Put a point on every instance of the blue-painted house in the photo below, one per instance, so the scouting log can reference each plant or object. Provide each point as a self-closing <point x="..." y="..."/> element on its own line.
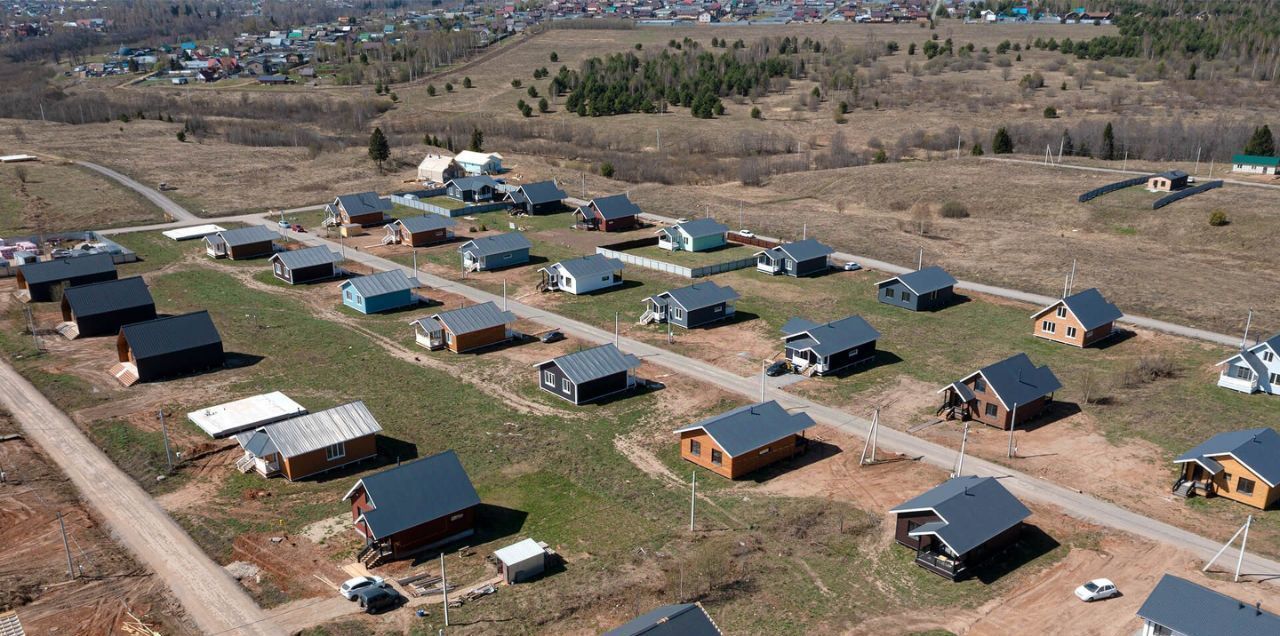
<point x="380" y="292"/>
<point x="495" y="252"/>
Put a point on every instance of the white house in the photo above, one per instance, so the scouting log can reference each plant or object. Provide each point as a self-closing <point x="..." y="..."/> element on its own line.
<point x="1253" y="164"/>
<point x="989" y="16"/>
<point x="582" y="275"/>
<point x="438" y="168"/>
<point x="1253" y="369"/>
<point x="479" y="162"/>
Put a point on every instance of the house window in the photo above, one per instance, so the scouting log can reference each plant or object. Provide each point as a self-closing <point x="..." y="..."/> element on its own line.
<point x="1244" y="486"/>
<point x="604" y="279"/>
<point x="764" y="451"/>
<point x="507" y="256"/>
<point x="979" y="385"/>
<point x="906" y="296"/>
<point x="1071" y="332"/>
<point x="718" y="309"/>
<point x="1226" y="482"/>
<point x="549" y="378"/>
<point x="457" y="517"/>
<point x="1242" y="373"/>
<point x="1275" y="379"/>
<point x="1048" y="327"/>
<point x="337" y="451"/>
<point x="678" y="313"/>
<point x="1062" y="311"/>
<point x="348" y="294"/>
<point x="888" y="292"/>
<point x="1160" y="630"/>
<point x="566" y="385"/>
<point x="695" y="447"/>
<point x="1268" y="356"/>
<point x="992" y="410"/>
<point x="717" y="457"/>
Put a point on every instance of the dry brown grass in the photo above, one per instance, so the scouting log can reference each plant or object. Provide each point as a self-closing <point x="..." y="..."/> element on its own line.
<point x="48" y="196"/>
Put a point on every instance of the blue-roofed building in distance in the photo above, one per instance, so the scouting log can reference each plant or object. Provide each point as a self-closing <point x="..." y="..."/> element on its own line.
<point x="582" y="275"/>
<point x="801" y="258"/>
<point x="1007" y="393"/>
<point x="412" y="507"/>
<point x="958" y="524"/>
<point x="812" y="348"/>
<point x="698" y="304"/>
<point x="495" y="252"/>
<point x="588" y="375"/>
<point x="1081" y="319"/>
<point x="698" y="235"/>
<point x="687" y="619"/>
<point x="927" y="289"/>
<point x="744" y="440"/>
<point x="1178" y="607"/>
<point x="379" y="292"/>
<point x="1243" y="466"/>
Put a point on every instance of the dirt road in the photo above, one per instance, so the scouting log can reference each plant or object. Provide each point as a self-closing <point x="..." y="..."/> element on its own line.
<point x="175" y="211"/>
<point x="214" y="601"/>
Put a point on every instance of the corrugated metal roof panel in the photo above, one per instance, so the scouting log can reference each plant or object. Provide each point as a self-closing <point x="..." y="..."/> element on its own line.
<point x="699" y="295"/>
<point x="363" y="203"/>
<point x="591" y="265"/>
<point x="803" y="250"/>
<point x="1195" y="610"/>
<point x="171" y="334"/>
<point x="925" y="280"/>
<point x="747" y="428"/>
<point x="308" y="257"/>
<point x="615" y="207"/>
<point x="314" y="431"/>
<point x="66" y="268"/>
<point x="1257" y="448"/>
<point x="669" y="620"/>
<point x="594" y="363"/>
<point x="702" y="227"/>
<point x="416" y="492"/>
<point x="387" y="282"/>
<point x="496" y="244"/>
<point x="835" y="336"/>
<point x="973" y="510"/>
<point x="425" y="223"/>
<point x="247" y="235"/>
<point x="113" y="295"/>
<point x="472" y="318"/>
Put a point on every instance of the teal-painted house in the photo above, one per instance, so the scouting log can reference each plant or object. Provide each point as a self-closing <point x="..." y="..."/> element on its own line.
<point x="698" y="235"/>
<point x="380" y="292"/>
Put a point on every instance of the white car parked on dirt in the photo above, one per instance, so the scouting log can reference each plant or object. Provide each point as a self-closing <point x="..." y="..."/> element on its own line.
<point x="351" y="587"/>
<point x="1097" y="590"/>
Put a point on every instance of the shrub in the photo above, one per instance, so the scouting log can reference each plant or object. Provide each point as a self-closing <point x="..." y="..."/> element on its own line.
<point x="1050" y="112"/>
<point x="954" y="210"/>
<point x="606" y="170"/>
<point x="755" y="112"/>
<point x="431" y="90"/>
<point x="466" y="82"/>
<point x="183" y="137"/>
<point x="1148" y="369"/>
<point x="555" y="57"/>
<point x="880" y="157"/>
<point x="448" y="87"/>
<point x="1218" y="218"/>
<point x="515" y="83"/>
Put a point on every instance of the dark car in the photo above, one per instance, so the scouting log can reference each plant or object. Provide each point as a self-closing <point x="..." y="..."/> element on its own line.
<point x="776" y="369"/>
<point x="551" y="336"/>
<point x="376" y="599"/>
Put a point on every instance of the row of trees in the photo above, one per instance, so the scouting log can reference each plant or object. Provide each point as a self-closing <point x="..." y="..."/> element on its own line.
<point x="1136" y="139"/>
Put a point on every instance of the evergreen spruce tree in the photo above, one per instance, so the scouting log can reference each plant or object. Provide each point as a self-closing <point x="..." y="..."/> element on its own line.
<point x="1002" y="143"/>
<point x="1261" y="144"/>
<point x="379" y="148"/>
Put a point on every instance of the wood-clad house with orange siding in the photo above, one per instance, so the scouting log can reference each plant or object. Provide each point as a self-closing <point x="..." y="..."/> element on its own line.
<point x="310" y="444"/>
<point x="745" y="439"/>
<point x="1008" y="393"/>
<point x="1242" y="466"/>
<point x="1080" y="319"/>
<point x="465" y="329"/>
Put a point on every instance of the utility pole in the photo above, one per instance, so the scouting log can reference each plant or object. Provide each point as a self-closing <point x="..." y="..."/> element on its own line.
<point x="1240" y="559"/>
<point x="960" y="458"/>
<point x="920" y="260"/>
<point x="1013" y="423"/>
<point x="742" y="219"/>
<point x="1125" y="166"/>
<point x="1061" y="144"/>
<point x="71" y="570"/>
<point x="504" y="294"/>
<point x="1197" y="168"/>
<point x="693" y="494"/>
<point x="957" y="146"/>
<point x="659" y="131"/>
<point x="869" y="449"/>
<point x="669" y="335"/>
<point x="1072" y="281"/>
<point x="444" y="590"/>
<point x="164" y="430"/>
<point x="415" y="261"/>
<point x="584" y="185"/>
<point x="1244" y="541"/>
<point x="615" y="329"/>
<point x="804" y="231"/>
<point x="1248" y="322"/>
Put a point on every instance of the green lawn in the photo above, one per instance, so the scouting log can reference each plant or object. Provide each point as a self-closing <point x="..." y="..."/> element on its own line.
<point x="730" y="252"/>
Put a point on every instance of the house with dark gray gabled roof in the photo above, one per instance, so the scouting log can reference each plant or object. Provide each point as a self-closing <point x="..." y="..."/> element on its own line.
<point x="588" y="375"/>
<point x="582" y="275"/>
<point x="379" y="292"/>
<point x="698" y="235"/>
<point x="101" y="309"/>
<point x="310" y="444"/>
<point x="819" y="349"/>
<point x="44" y="281"/>
<point x="801" y="258"/>
<point x="420" y="231"/>
<point x="745" y="439"/>
<point x="465" y="329"/>
<point x="959" y="524"/>
<point x="926" y="289"/>
<point x="241" y="243"/>
<point x="615" y="213"/>
<point x="305" y="265"/>
<point x="687" y="619"/>
<point x="473" y="189"/>
<point x="542" y="197"/>
<point x="1243" y="466"/>
<point x="364" y="208"/>
<point x="412" y="507"/>
<point x="1007" y="393"/>
<point x="1167" y="181"/>
<point x="495" y="252"/>
<point x="1178" y="607"/>
<point x="1080" y="319"/>
<point x="1255" y="368"/>
<point x="167" y="347"/>
<point x="698" y="304"/>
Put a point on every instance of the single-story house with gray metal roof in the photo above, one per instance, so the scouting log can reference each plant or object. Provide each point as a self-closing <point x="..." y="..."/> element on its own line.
<point x="588" y="375"/>
<point x="615" y="213"/>
<point x="414" y="506"/>
<point x="698" y="235"/>
<point x="310" y="444"/>
<point x="801" y="258"/>
<point x="472" y="189"/>
<point x="495" y="252"/>
<point x="927" y="289"/>
<point x="687" y="619"/>
<point x="1167" y="181"/>
<point x="363" y="208"/>
<point x="101" y="309"/>
<point x="812" y="348"/>
<point x="1080" y="319"/>
<point x="167" y="347"/>
<point x="241" y="243"/>
<point x="542" y="197"/>
<point x="745" y="439"/>
<point x="44" y="281"/>
<point x="465" y="329"/>
<point x="1254" y="368"/>
<point x="958" y="524"/>
<point x="1179" y="607"/>
<point x="582" y="275"/>
<point x="420" y="231"/>
<point x="698" y="304"/>
<point x="1243" y="466"/>
<point x="1004" y="394"/>
<point x="305" y="265"/>
<point x="379" y="292"/>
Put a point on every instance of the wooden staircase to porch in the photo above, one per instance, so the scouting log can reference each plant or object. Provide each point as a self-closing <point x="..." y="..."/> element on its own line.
<point x="69" y="330"/>
<point x="23" y="295"/>
<point x="126" y="373"/>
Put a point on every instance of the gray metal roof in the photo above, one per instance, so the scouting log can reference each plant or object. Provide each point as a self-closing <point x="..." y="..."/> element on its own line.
<point x="833" y="337"/>
<point x="540" y="192"/>
<point x="496" y="244"/>
<point x="171" y="334"/>
<point x="591" y="265"/>
<point x="801" y="250"/>
<point x="614" y="207"/>
<point x="594" y="363"/>
<point x="1016" y="380"/>
<point x="363" y="203"/>
<point x="425" y="223"/>
<point x="469" y="319"/>
<point x="923" y="281"/>
<point x="65" y="268"/>
<point x="307" y="257"/>
<point x="747" y="428"/>
<point x="1257" y="448"/>
<point x="108" y="296"/>
<point x="1195" y="610"/>
<point x="314" y="431"/>
<point x="387" y="282"/>
<point x="688" y="619"/>
<point x="1089" y="307"/>
<point x="474" y="182"/>
<point x="973" y="511"/>
<point x="416" y="492"/>
<point x="247" y="235"/>
<point x="1172" y="174"/>
<point x="701" y="227"/>
<point x="699" y="295"/>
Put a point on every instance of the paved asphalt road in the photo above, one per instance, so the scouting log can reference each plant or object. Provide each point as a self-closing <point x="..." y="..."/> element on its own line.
<point x="1080" y="505"/>
<point x="216" y="603"/>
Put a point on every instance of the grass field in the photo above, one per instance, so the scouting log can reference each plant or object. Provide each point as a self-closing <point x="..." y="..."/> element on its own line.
<point x="730" y="252"/>
<point x="42" y="196"/>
